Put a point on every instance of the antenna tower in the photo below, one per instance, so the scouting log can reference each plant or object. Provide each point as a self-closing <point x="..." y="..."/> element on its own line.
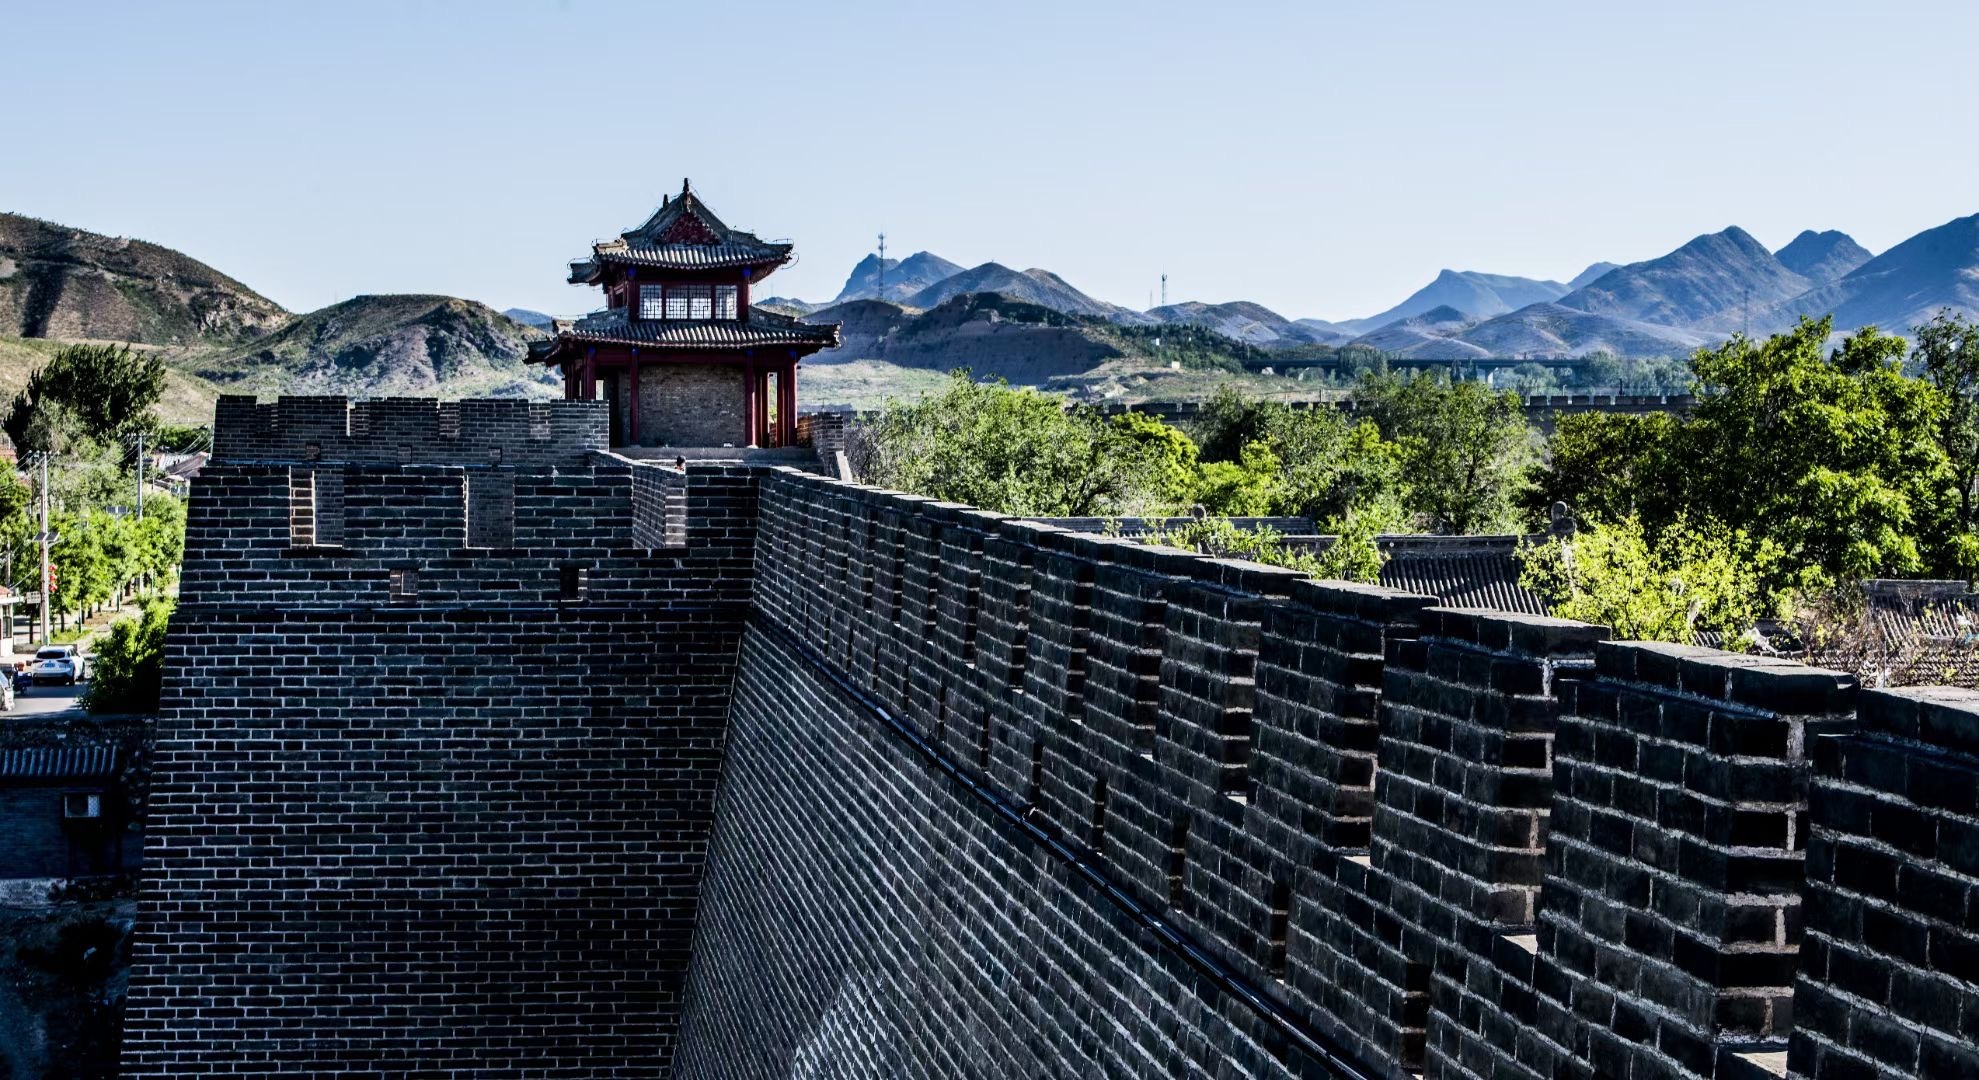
<point x="1164" y="290"/>
<point x="882" y="295"/>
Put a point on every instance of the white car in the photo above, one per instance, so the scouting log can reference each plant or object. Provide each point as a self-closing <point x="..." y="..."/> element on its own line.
<point x="58" y="664"/>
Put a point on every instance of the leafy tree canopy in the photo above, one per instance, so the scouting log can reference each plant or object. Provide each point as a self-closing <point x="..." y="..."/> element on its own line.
<point x="1669" y="586"/>
<point x="127" y="668"/>
<point x="92" y="392"/>
<point x="1019" y="451"/>
<point x="1837" y="459"/>
<point x="1463" y="448"/>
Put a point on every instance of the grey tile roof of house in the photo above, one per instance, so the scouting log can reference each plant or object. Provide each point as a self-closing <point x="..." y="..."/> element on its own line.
<point x="58" y="763"/>
<point x="1461" y="571"/>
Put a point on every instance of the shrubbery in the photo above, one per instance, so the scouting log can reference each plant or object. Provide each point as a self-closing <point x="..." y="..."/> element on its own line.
<point x="126" y="667"/>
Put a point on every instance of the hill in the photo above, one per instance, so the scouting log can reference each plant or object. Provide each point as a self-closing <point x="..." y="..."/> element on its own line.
<point x="1593" y="271"/>
<point x="1040" y="287"/>
<point x="527" y="317"/>
<point x="1253" y="324"/>
<point x="788" y="305"/>
<point x="1544" y="331"/>
<point x="1901" y="288"/>
<point x="1432" y="335"/>
<point x="63" y="283"/>
<point x="1478" y="295"/>
<point x="904" y="277"/>
<point x="997" y="336"/>
<point x="188" y="399"/>
<point x="1822" y="257"/>
<point x="385" y="345"/>
<point x="1713" y="276"/>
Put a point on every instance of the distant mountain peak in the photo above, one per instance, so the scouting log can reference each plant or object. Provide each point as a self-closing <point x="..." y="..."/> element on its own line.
<point x="1900" y="289"/>
<point x="904" y="277"/>
<point x="1477" y="294"/>
<point x="1822" y="257"/>
<point x="1707" y="278"/>
<point x="527" y="317"/>
<point x="1593" y="273"/>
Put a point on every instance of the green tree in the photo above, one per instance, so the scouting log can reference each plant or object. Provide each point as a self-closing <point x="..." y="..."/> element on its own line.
<point x="129" y="662"/>
<point x="1947" y="356"/>
<point x="1837" y="459"/>
<point x="1265" y="457"/>
<point x="1463" y="448"/>
<point x="1833" y="458"/>
<point x="1247" y="487"/>
<point x="1668" y="586"/>
<point x="1349" y="558"/>
<point x="1019" y="451"/>
<point x="88" y="392"/>
<point x="1608" y="466"/>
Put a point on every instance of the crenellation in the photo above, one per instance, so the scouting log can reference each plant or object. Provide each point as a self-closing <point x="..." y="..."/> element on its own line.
<point x="869" y="784"/>
<point x="407" y="430"/>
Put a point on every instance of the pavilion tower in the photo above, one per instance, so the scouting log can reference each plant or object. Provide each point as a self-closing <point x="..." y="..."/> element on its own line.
<point x="677" y="350"/>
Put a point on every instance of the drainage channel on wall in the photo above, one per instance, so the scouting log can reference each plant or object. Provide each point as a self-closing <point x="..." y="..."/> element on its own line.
<point x="1295" y="1031"/>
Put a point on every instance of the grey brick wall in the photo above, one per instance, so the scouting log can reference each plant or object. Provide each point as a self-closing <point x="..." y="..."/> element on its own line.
<point x="456" y="831"/>
<point x="1889" y="983"/>
<point x="1317" y="828"/>
<point x="690" y="405"/>
<point x="995" y="798"/>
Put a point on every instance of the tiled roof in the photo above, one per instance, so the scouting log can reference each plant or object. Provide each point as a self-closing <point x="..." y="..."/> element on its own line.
<point x="1461" y="571"/>
<point x="58" y="763"/>
<point x="764" y="329"/>
<point x="678" y="256"/>
<point x="683" y="234"/>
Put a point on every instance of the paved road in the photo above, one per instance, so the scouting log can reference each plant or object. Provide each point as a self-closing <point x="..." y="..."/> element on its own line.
<point x="47" y="701"/>
<point x="42" y="702"/>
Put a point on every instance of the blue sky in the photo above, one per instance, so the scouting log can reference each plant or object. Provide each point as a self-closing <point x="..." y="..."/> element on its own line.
<point x="1324" y="159"/>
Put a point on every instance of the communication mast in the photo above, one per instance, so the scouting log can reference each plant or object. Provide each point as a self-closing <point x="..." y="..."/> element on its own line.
<point x="1164" y="289"/>
<point x="882" y="295"/>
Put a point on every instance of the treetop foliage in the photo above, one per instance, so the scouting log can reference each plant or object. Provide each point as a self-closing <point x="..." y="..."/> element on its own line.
<point x="1805" y="465"/>
<point x="88" y="392"/>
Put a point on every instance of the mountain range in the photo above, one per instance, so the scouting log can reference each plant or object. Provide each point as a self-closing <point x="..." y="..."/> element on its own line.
<point x="62" y="284"/>
<point x="218" y="335"/>
<point x="1708" y="288"/>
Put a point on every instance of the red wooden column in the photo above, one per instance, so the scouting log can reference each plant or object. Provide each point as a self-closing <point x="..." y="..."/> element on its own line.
<point x="633" y="435"/>
<point x="786" y="384"/>
<point x="768" y="395"/>
<point x="749" y="402"/>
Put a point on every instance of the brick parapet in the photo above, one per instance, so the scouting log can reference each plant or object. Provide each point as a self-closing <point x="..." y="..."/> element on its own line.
<point x="407" y="430"/>
<point x="1889" y="976"/>
<point x="1463" y="842"/>
<point x="1347" y="793"/>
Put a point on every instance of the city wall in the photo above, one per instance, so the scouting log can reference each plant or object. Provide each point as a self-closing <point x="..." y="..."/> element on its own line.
<point x="562" y="764"/>
<point x="442" y="721"/>
<point x="1006" y="800"/>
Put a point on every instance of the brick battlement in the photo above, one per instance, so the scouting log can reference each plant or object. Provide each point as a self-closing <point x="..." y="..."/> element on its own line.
<point x="1395" y="837"/>
<point x="996" y="798"/>
<point x="402" y="430"/>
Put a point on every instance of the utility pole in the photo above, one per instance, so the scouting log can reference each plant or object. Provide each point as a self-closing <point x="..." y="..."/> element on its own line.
<point x="882" y="293"/>
<point x="46" y="598"/>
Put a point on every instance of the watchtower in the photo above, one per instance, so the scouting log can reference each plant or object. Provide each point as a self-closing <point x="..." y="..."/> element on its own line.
<point x="677" y="351"/>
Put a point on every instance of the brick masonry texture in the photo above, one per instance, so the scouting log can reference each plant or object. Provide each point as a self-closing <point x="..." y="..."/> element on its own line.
<point x="996" y="798"/>
<point x="688" y="405"/>
<point x="454" y="831"/>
